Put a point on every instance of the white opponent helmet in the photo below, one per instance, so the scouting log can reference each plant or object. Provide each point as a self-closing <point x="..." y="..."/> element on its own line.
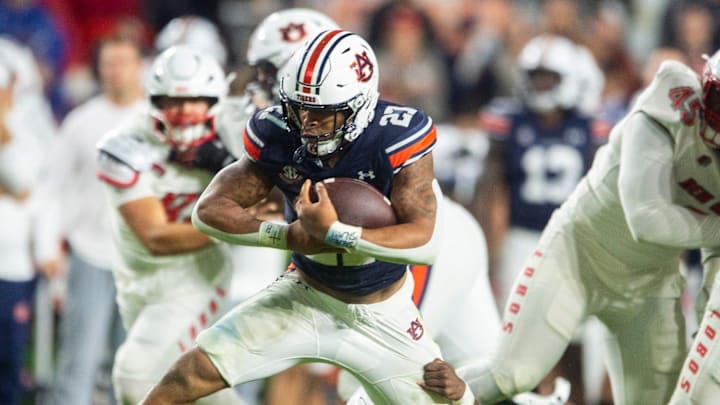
<point x="554" y="54"/>
<point x="282" y="32"/>
<point x="710" y="131"/>
<point x="276" y="38"/>
<point x="196" y="32"/>
<point x="336" y="71"/>
<point x="181" y="71"/>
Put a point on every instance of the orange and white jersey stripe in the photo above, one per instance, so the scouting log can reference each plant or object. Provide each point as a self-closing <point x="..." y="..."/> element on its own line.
<point x="413" y="147"/>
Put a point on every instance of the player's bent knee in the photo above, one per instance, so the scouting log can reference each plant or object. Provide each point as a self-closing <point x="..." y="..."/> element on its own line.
<point x="130" y="391"/>
<point x="130" y="376"/>
<point x="130" y="363"/>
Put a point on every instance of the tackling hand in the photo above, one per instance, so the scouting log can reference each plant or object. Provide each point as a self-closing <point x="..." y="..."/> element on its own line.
<point x="440" y="378"/>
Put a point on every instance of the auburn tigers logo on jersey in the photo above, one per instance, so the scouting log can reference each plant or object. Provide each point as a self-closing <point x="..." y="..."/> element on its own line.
<point x="293" y="32"/>
<point x="416" y="329"/>
<point x="363" y="67"/>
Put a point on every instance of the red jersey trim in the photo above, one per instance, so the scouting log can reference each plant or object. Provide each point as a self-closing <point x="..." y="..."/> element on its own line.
<point x="104" y="177"/>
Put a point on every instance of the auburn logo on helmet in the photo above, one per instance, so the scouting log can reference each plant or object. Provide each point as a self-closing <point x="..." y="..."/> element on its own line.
<point x="363" y="67"/>
<point x="293" y="32"/>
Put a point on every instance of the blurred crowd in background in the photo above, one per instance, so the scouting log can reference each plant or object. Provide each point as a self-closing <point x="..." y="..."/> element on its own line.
<point x="451" y="58"/>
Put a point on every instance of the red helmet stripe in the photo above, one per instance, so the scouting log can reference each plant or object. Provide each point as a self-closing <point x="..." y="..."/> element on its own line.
<point x="315" y="56"/>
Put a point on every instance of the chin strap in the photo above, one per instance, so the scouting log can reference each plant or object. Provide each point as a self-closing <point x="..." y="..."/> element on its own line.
<point x="559" y="396"/>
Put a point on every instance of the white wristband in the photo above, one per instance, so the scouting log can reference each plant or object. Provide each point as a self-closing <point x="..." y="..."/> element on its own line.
<point x="343" y="235"/>
<point x="273" y="234"/>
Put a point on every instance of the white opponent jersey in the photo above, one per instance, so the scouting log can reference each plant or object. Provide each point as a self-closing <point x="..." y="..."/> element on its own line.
<point x="135" y="163"/>
<point x="595" y="211"/>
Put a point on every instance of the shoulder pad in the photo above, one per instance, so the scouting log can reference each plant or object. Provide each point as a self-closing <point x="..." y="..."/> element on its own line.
<point x="115" y="172"/>
<point x="396" y="121"/>
<point x="673" y="94"/>
<point x="403" y="147"/>
<point x="675" y="67"/>
<point x="260" y="130"/>
<point x="130" y="150"/>
<point x="273" y="115"/>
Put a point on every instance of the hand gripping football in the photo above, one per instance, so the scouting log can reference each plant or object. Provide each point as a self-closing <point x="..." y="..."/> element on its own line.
<point x="358" y="203"/>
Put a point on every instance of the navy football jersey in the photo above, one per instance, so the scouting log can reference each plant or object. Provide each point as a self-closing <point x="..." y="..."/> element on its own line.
<point x="397" y="136"/>
<point x="542" y="165"/>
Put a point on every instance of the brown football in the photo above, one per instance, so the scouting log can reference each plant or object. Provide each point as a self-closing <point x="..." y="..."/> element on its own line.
<point x="358" y="203"/>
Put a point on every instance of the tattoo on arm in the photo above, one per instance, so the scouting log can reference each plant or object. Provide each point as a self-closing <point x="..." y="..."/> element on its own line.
<point x="412" y="195"/>
<point x="224" y="203"/>
<point x="243" y="182"/>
